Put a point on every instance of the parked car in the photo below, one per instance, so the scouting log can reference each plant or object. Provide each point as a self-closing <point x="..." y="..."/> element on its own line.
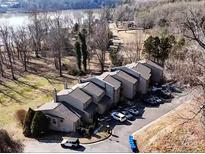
<point x="151" y="101"/>
<point x="134" y="111"/>
<point x="157" y="99"/>
<point x="70" y="143"/>
<point x="127" y="114"/>
<point x="165" y="94"/>
<point x="118" y="116"/>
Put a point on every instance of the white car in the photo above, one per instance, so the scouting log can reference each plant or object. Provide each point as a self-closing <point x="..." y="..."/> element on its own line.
<point x="70" y="143"/>
<point x="127" y="114"/>
<point x="118" y="116"/>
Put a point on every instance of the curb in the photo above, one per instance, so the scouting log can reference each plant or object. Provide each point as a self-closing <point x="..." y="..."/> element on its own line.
<point x="98" y="140"/>
<point x="158" y="119"/>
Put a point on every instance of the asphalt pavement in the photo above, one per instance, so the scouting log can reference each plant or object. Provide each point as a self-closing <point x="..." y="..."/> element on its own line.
<point x="118" y="142"/>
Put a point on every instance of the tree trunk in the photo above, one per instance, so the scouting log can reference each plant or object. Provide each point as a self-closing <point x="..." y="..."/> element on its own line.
<point x="11" y="65"/>
<point x="1" y="69"/>
<point x="25" y="61"/>
<point x="59" y="63"/>
<point x="102" y="67"/>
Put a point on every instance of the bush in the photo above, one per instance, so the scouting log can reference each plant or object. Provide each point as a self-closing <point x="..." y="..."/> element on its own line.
<point x="27" y="123"/>
<point x="7" y="144"/>
<point x="20" y="116"/>
<point x="39" y="124"/>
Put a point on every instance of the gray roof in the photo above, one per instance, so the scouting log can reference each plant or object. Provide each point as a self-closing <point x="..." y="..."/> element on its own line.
<point x="127" y="77"/>
<point x="149" y="62"/>
<point x="113" y="81"/>
<point x="48" y="106"/>
<point x="144" y="71"/>
<point x="77" y="94"/>
<point x="93" y="89"/>
<point x="65" y="111"/>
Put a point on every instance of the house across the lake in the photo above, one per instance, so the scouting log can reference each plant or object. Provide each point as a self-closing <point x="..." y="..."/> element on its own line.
<point x="80" y="104"/>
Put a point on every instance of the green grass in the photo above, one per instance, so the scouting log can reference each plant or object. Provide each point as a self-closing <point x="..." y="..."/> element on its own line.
<point x="29" y="91"/>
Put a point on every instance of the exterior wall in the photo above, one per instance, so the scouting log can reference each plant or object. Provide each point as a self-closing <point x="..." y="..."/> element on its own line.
<point x="62" y="125"/>
<point x="109" y="89"/>
<point x="88" y="117"/>
<point x="143" y="85"/>
<point x="102" y="108"/>
<point x="128" y="89"/>
<point x="156" y="74"/>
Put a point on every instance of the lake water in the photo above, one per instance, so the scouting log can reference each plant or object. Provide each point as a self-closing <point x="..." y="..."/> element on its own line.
<point x="22" y="19"/>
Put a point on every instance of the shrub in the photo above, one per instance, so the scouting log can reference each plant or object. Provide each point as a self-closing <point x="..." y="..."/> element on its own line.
<point x="20" y="116"/>
<point x="7" y="144"/>
<point x="39" y="124"/>
<point x="27" y="122"/>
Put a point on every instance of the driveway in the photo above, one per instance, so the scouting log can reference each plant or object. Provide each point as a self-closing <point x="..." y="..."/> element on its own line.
<point x="119" y="140"/>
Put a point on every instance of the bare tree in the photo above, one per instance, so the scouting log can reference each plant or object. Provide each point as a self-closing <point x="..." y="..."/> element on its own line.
<point x="20" y="38"/>
<point x="100" y="40"/>
<point x="58" y="38"/>
<point x="195" y="27"/>
<point x="132" y="50"/>
<point x="1" y="63"/>
<point x="36" y="33"/>
<point x="6" y="39"/>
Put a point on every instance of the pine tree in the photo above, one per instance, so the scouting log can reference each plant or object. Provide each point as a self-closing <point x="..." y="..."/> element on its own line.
<point x="78" y="55"/>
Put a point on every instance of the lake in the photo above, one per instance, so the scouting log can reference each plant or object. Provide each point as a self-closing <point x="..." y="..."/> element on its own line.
<point x="22" y="19"/>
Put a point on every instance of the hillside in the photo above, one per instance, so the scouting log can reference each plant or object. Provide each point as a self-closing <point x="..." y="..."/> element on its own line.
<point x="175" y="132"/>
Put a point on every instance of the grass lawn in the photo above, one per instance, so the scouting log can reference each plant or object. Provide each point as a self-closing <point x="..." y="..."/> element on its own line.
<point x="28" y="91"/>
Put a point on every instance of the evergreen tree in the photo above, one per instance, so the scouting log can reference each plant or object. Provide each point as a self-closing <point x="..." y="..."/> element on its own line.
<point x="82" y="37"/>
<point x="40" y="124"/>
<point x="78" y="54"/>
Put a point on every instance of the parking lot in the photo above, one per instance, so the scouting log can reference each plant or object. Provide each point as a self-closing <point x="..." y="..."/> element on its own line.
<point x="118" y="142"/>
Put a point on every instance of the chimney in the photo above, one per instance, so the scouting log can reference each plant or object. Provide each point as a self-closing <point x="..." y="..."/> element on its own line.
<point x="90" y="75"/>
<point x="109" y="69"/>
<point x="79" y="80"/>
<point x="65" y="85"/>
<point x="55" y="95"/>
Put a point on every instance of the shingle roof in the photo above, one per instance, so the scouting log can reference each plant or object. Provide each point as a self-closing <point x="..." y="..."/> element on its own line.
<point x="93" y="89"/>
<point x="48" y="106"/>
<point x="76" y="93"/>
<point x="144" y="71"/>
<point x="113" y="81"/>
<point x="80" y="95"/>
<point x="149" y="62"/>
<point x="125" y="76"/>
<point x="65" y="111"/>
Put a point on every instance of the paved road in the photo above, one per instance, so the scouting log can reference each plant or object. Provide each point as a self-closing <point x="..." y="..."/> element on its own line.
<point x="119" y="141"/>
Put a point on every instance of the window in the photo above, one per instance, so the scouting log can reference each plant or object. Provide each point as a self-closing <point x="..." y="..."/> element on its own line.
<point x="61" y="120"/>
<point x="54" y="121"/>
